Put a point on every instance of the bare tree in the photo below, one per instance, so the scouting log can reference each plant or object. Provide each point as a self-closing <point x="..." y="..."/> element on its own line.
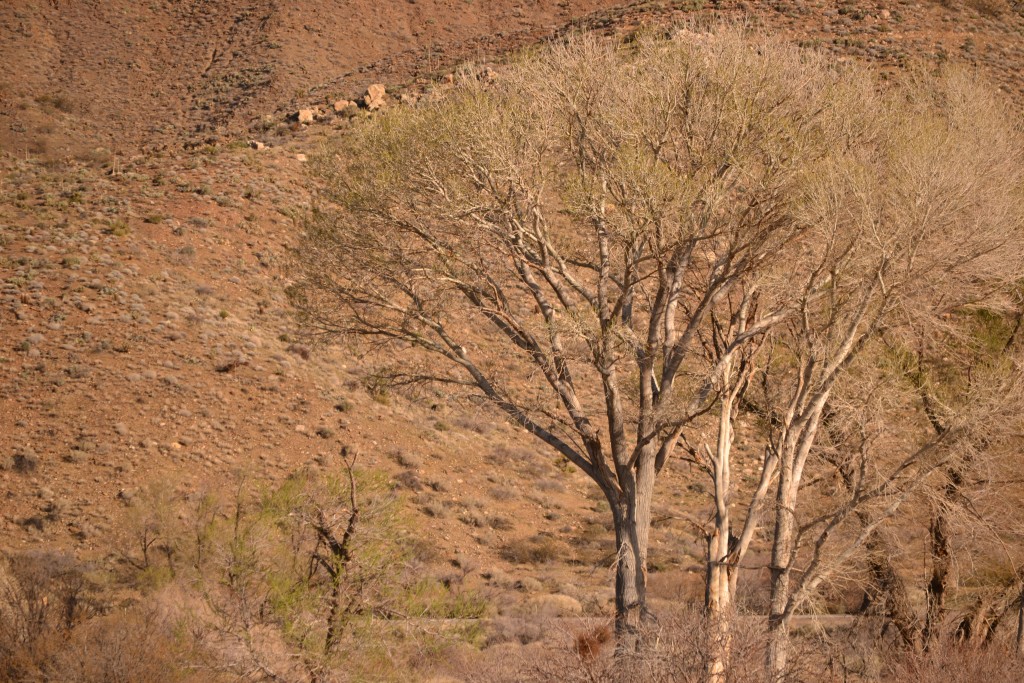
<point x="560" y="237"/>
<point x="914" y="222"/>
<point x="921" y="224"/>
<point x="339" y="550"/>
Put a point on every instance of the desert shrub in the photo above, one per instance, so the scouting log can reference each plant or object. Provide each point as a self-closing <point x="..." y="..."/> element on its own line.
<point x="538" y="549"/>
<point x="681" y="647"/>
<point x="56" y="102"/>
<point x="989" y="8"/>
<point x="129" y="646"/>
<point x="506" y="630"/>
<point x="43" y="596"/>
<point x="55" y="625"/>
<point x="953" y="662"/>
<point x="309" y="579"/>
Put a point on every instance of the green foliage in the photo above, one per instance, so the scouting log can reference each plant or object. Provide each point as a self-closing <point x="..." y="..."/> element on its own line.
<point x="431" y="598"/>
<point x="259" y="559"/>
<point x="117" y="228"/>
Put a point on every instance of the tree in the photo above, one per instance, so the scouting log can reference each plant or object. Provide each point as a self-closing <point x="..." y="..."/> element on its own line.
<point x="875" y="452"/>
<point x="559" y="238"/>
<point x="917" y="224"/>
<point x="609" y="241"/>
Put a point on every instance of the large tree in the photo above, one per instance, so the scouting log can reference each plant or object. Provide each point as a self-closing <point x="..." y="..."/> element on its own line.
<point x="559" y="237"/>
<point x="558" y="241"/>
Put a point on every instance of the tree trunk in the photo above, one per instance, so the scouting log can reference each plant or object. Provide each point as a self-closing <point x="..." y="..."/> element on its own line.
<point x="632" y="517"/>
<point x="1020" y="624"/>
<point x="718" y="603"/>
<point x="891" y="588"/>
<point x="717" y="594"/>
<point x="937" y="585"/>
<point x="719" y="624"/>
<point x="782" y="555"/>
<point x="332" y="618"/>
<point x="778" y="648"/>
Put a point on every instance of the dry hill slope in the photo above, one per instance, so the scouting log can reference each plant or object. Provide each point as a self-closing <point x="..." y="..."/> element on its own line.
<point x="127" y="74"/>
<point x="144" y="335"/>
<point x="131" y="75"/>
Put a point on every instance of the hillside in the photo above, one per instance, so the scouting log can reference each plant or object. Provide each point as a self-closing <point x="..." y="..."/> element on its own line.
<point x="145" y="338"/>
<point x="147" y="76"/>
<point x="131" y="75"/>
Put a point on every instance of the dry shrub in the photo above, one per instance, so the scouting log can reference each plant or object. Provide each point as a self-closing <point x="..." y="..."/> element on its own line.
<point x="986" y="8"/>
<point x="53" y="627"/>
<point x="43" y="597"/>
<point x="678" y="649"/>
<point x="135" y="645"/>
<point x="952" y="662"/>
<point x="989" y="8"/>
<point x="507" y="630"/>
<point x="539" y="549"/>
<point x="590" y="643"/>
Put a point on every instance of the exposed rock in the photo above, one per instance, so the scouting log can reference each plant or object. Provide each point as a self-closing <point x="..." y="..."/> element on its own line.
<point x="374" y="97"/>
<point x="305" y="115"/>
<point x="346" y="108"/>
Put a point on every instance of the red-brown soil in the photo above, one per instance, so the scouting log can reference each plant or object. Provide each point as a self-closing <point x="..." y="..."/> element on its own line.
<point x="144" y="333"/>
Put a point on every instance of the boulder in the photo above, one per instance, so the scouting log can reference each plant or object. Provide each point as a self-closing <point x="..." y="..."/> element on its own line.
<point x="345" y="107"/>
<point x="374" y="97"/>
<point x="305" y="115"/>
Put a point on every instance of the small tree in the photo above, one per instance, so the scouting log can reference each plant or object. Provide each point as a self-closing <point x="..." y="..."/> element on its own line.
<point x="559" y="238"/>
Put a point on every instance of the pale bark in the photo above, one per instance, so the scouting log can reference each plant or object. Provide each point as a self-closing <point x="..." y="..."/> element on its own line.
<point x="725" y="551"/>
<point x="781" y="565"/>
<point x="718" y="602"/>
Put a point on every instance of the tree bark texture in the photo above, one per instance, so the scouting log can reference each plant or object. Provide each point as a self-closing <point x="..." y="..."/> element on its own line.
<point x="891" y="590"/>
<point x="939" y="582"/>
<point x="782" y="556"/>
<point x="632" y="518"/>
